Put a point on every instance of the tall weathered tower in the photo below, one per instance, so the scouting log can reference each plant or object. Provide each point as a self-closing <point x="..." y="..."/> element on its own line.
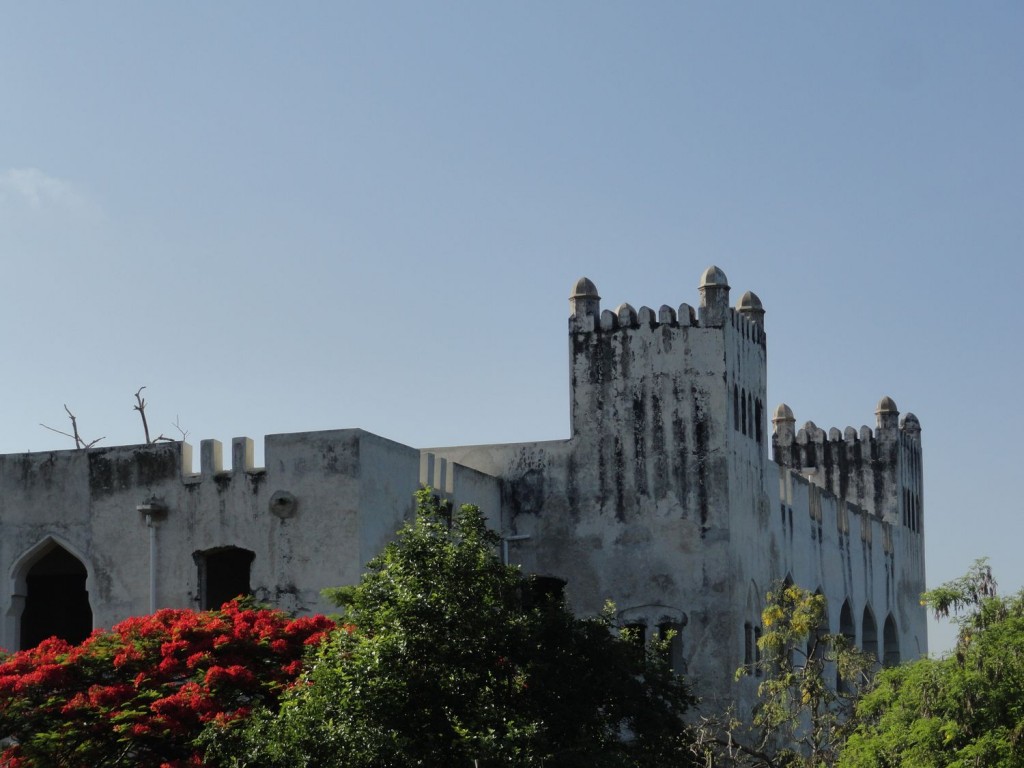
<point x="660" y="399"/>
<point x="666" y="501"/>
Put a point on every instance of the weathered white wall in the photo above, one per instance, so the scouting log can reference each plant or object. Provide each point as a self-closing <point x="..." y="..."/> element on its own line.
<point x="671" y="497"/>
<point x="665" y="500"/>
<point x="352" y="491"/>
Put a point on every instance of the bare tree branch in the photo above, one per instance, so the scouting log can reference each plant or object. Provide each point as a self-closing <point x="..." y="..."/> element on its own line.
<point x="79" y="440"/>
<point x="59" y="432"/>
<point x="177" y="426"/>
<point x="140" y="406"/>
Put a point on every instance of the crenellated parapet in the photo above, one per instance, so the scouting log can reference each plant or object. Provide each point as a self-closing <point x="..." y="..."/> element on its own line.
<point x="747" y="318"/>
<point x="878" y="470"/>
<point x="624" y="317"/>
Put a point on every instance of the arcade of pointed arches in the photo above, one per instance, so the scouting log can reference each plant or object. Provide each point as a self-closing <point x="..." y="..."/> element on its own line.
<point x="888" y="655"/>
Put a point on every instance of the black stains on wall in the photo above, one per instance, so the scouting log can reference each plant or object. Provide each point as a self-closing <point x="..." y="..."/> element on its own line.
<point x="660" y="460"/>
<point x="620" y="471"/>
<point x="702" y="449"/>
<point x="118" y="469"/>
<point x="525" y="494"/>
<point x="640" y="442"/>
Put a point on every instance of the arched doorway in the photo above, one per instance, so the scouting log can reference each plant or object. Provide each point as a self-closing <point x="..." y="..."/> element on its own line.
<point x="56" y="600"/>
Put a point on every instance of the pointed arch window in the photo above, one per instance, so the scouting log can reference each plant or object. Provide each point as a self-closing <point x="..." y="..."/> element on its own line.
<point x="890" y="643"/>
<point x="869" y="633"/>
<point x="55" y="600"/>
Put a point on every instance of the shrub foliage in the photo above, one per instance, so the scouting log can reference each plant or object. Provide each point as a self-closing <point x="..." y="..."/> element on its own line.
<point x="142" y="693"/>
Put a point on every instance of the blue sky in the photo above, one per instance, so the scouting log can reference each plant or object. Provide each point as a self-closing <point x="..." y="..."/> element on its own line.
<point x="308" y="216"/>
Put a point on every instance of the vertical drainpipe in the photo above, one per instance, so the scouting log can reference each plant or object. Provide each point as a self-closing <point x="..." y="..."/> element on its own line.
<point x="153" y="511"/>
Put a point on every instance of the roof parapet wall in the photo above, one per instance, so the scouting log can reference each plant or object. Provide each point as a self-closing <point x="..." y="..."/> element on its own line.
<point x="747" y="318"/>
<point x="876" y="469"/>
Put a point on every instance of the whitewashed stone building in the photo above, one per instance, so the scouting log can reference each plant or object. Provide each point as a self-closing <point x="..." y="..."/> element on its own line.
<point x="672" y="498"/>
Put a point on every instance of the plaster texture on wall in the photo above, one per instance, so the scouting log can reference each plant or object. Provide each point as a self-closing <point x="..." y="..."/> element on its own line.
<point x="671" y="498"/>
<point x="665" y="499"/>
<point x="350" y="491"/>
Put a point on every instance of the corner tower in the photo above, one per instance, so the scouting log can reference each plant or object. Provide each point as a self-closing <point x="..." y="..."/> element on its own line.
<point x="662" y="402"/>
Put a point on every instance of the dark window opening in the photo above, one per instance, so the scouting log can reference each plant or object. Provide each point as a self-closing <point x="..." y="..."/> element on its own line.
<point x="735" y="408"/>
<point x="743" y="409"/>
<point x="223" y="575"/>
<point x="748" y="646"/>
<point x="758" y="418"/>
<point x="869" y="635"/>
<point x="818" y="645"/>
<point x="543" y="591"/>
<point x="674" y="651"/>
<point x="891" y="643"/>
<point x="56" y="603"/>
<point x="849" y="632"/>
<point x="757" y="652"/>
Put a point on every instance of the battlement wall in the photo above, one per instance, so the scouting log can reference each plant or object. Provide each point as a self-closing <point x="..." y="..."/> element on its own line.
<point x="879" y="470"/>
<point x="586" y="316"/>
<point x="626" y="317"/>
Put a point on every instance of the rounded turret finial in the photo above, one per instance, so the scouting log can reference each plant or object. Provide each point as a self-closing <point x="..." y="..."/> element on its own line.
<point x="584" y="289"/>
<point x="750" y="306"/>
<point x="887" y="414"/>
<point x="749" y="302"/>
<point x="584" y="301"/>
<point x="887" y="405"/>
<point x="783" y="423"/>
<point x="713" y="277"/>
<point x="783" y="413"/>
<point x="714" y="298"/>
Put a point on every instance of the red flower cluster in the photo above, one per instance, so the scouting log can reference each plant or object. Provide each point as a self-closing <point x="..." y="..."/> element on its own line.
<point x="148" y="687"/>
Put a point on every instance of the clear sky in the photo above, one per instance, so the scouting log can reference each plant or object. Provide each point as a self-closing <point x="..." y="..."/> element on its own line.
<point x="285" y="217"/>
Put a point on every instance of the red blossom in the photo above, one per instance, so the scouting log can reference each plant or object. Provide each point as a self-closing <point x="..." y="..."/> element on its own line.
<point x="234" y="675"/>
<point x="77" y="701"/>
<point x="315" y="639"/>
<point x="151" y="683"/>
<point x="170" y="667"/>
<point x="197" y="660"/>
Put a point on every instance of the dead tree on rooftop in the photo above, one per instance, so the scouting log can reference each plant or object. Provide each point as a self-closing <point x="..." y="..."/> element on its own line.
<point x="140" y="406"/>
<point x="80" y="442"/>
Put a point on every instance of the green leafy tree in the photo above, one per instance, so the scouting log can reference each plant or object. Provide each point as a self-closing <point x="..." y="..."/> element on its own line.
<point x="451" y="658"/>
<point x="811" y="682"/>
<point x="966" y="709"/>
